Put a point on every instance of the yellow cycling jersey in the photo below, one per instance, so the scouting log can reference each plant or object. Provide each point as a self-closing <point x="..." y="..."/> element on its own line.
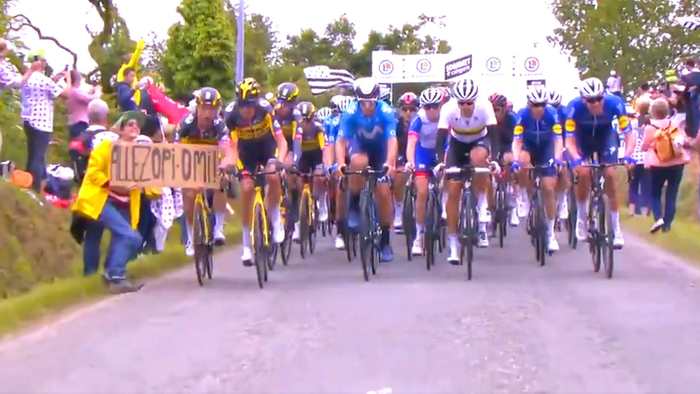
<point x="312" y="136"/>
<point x="260" y="126"/>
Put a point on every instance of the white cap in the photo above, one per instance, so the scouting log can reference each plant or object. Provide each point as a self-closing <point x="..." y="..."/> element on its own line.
<point x="613" y="73"/>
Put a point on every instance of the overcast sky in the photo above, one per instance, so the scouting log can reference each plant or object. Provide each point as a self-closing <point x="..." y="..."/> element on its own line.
<point x="471" y="26"/>
<point x="474" y="26"/>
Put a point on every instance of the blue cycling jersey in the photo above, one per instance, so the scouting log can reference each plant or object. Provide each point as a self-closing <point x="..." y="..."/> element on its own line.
<point x="331" y="125"/>
<point x="537" y="132"/>
<point x="579" y="119"/>
<point x="374" y="130"/>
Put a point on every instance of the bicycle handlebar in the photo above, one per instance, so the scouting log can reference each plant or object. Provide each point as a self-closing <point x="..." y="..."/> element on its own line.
<point x="365" y="172"/>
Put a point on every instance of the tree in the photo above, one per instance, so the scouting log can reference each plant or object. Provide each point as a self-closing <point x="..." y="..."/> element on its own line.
<point x="200" y="50"/>
<point x="260" y="40"/>
<point x="306" y="49"/>
<point x="111" y="45"/>
<point x="153" y="54"/>
<point x="340" y="35"/>
<point x="639" y="39"/>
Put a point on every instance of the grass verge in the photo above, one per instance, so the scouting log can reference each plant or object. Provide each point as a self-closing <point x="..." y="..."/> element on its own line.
<point x="681" y="241"/>
<point x="50" y="298"/>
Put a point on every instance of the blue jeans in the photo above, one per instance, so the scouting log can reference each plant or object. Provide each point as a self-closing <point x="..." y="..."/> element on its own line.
<point x="37" y="145"/>
<point x="125" y="241"/>
<point x="147" y="222"/>
<point x="671" y="177"/>
<point x="640" y="183"/>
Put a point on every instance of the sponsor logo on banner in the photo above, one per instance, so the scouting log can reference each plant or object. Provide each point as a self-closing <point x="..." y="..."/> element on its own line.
<point x="423" y="65"/>
<point x="457" y="67"/>
<point x="386" y="67"/>
<point x="536" y="82"/>
<point x="532" y="64"/>
<point x="493" y="64"/>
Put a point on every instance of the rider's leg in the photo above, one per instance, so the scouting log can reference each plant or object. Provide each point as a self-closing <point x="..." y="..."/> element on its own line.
<point x="399" y="186"/>
<point x="479" y="157"/>
<point x="358" y="162"/>
<point x="272" y="202"/>
<point x="562" y="192"/>
<point x="219" y="208"/>
<point x="421" y="201"/>
<point x="247" y="193"/>
<point x="320" y="190"/>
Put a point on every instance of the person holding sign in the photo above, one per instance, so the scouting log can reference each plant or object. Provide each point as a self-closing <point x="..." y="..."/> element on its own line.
<point x="254" y="139"/>
<point x="115" y="208"/>
<point x="203" y="127"/>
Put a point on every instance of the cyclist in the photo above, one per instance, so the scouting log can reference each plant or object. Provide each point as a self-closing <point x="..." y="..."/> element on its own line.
<point x="466" y="120"/>
<point x="310" y="155"/>
<point x="203" y="127"/>
<point x="564" y="178"/>
<point x="420" y="155"/>
<point x="501" y="140"/>
<point x="589" y="130"/>
<point x="339" y="104"/>
<point x="368" y="129"/>
<point x="254" y="137"/>
<point x="408" y="107"/>
<point x="537" y="141"/>
<point x="323" y="113"/>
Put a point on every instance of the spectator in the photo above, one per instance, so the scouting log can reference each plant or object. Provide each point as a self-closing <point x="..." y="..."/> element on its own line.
<point x="125" y="91"/>
<point x="38" y="96"/>
<point x="667" y="172"/>
<point x="9" y="76"/>
<point x="639" y="185"/>
<point x="115" y="208"/>
<point x="77" y="104"/>
<point x="615" y="84"/>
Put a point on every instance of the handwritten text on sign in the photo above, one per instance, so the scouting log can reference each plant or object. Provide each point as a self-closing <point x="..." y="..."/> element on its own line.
<point x="161" y="165"/>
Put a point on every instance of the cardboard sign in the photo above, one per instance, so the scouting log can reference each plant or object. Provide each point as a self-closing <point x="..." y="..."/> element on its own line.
<point x="165" y="165"/>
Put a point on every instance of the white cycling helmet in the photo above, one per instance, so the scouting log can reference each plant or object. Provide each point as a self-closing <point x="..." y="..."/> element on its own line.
<point x="366" y="89"/>
<point x="324" y="113"/>
<point x="554" y="97"/>
<point x="591" y="87"/>
<point x="537" y="95"/>
<point x="465" y="90"/>
<point x="345" y="103"/>
<point x="335" y="101"/>
<point x="430" y="96"/>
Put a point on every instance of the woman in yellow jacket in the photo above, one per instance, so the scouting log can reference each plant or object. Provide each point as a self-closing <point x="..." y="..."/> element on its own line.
<point x="114" y="208"/>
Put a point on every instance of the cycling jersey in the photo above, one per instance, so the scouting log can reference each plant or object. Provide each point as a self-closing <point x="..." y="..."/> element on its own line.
<point x="289" y="124"/>
<point x="368" y="134"/>
<point x="595" y="133"/>
<point x="538" y="135"/>
<point x="331" y="126"/>
<point x="463" y="129"/>
<point x="255" y="137"/>
<point x="189" y="133"/>
<point x="426" y="132"/>
<point x="312" y="138"/>
<point x="402" y="131"/>
<point x="501" y="135"/>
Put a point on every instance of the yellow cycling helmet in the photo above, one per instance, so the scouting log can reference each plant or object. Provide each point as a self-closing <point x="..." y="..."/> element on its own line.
<point x="248" y="90"/>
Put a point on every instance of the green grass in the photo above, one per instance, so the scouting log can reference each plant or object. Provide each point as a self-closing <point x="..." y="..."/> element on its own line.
<point x="47" y="299"/>
<point x="682" y="240"/>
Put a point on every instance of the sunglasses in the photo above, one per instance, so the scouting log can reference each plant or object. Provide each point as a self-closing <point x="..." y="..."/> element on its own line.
<point x="468" y="103"/>
<point x="409" y="109"/>
<point x="431" y="106"/>
<point x="498" y="109"/>
<point x="594" y="100"/>
<point x="538" y="105"/>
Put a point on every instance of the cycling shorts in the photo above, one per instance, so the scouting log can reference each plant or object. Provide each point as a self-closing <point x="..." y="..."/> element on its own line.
<point x="375" y="153"/>
<point x="425" y="160"/>
<point x="254" y="153"/>
<point x="540" y="155"/>
<point x="605" y="144"/>
<point x="309" y="160"/>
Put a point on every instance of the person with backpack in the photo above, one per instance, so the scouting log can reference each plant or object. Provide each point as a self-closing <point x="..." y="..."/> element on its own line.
<point x="665" y="156"/>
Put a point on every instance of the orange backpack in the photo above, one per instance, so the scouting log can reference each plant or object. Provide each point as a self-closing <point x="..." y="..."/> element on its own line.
<point x="664" y="146"/>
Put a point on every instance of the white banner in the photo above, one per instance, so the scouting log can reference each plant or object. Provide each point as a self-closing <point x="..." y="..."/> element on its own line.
<point x="391" y="68"/>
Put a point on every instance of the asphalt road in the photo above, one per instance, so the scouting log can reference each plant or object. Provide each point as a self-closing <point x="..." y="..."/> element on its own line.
<point x="319" y="328"/>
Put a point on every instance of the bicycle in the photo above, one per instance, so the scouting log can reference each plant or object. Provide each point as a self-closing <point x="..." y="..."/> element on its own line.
<point x="308" y="213"/>
<point x="502" y="209"/>
<point x="286" y="212"/>
<point x="536" y="217"/>
<point x="600" y="235"/>
<point x="408" y="214"/>
<point x="434" y="227"/>
<point x="349" y="237"/>
<point x="370" y="230"/>
<point x="203" y="240"/>
<point x="260" y="228"/>
<point x="468" y="225"/>
<point x="573" y="212"/>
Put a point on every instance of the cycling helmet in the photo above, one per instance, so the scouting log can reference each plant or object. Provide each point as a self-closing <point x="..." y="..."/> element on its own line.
<point x="335" y="101"/>
<point x="307" y="110"/>
<point x="385" y="95"/>
<point x="270" y="98"/>
<point x="208" y="96"/>
<point x="366" y="89"/>
<point x="465" y="90"/>
<point x="537" y="95"/>
<point x="345" y="103"/>
<point x="591" y="87"/>
<point x="498" y="100"/>
<point x="324" y="113"/>
<point x="288" y="92"/>
<point x="430" y="96"/>
<point x="408" y="99"/>
<point x="554" y="97"/>
<point x="248" y="90"/>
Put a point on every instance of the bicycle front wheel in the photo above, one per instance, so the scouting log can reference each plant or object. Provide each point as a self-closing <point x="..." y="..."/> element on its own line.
<point x="201" y="251"/>
<point x="467" y="230"/>
<point x="259" y="248"/>
<point x="606" y="245"/>
<point x="409" y="225"/>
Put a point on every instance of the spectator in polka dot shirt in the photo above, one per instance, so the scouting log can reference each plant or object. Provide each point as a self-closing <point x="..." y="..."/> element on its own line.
<point x="38" y="96"/>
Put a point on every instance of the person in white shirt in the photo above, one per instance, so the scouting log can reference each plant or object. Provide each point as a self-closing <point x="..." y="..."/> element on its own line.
<point x="466" y="119"/>
<point x="614" y="84"/>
